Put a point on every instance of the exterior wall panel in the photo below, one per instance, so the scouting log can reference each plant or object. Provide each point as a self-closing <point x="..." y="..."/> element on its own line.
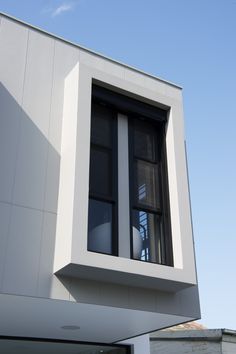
<point x="228" y="348"/>
<point x="22" y="253"/>
<point x="47" y="248"/>
<point x="183" y="273"/>
<point x="30" y="166"/>
<point x="5" y="212"/>
<point x="32" y="71"/>
<point x="65" y="58"/>
<point x="33" y="146"/>
<point x="185" y="347"/>
<point x="13" y="49"/>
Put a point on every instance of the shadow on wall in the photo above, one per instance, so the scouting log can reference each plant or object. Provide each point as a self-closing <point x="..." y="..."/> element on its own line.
<point x="29" y="180"/>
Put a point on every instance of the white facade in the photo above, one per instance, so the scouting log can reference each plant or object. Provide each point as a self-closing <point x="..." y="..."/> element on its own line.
<point x="47" y="275"/>
<point x="207" y="341"/>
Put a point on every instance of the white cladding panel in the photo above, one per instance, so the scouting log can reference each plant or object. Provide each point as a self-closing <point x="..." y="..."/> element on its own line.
<point x="14" y="41"/>
<point x="38" y="80"/>
<point x="185" y="347"/>
<point x="183" y="271"/>
<point x="140" y="345"/>
<point x="65" y="59"/>
<point x="47" y="248"/>
<point x="33" y="141"/>
<point x="29" y="188"/>
<point x="22" y="252"/>
<point x="67" y="169"/>
<point x="229" y="348"/>
<point x="33" y="68"/>
<point x="13" y="48"/>
<point x="5" y="212"/>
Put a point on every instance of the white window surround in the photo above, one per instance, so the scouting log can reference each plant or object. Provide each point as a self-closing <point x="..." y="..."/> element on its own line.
<point x="71" y="255"/>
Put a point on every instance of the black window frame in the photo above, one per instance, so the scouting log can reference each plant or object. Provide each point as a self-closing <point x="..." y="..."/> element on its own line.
<point x="113" y="173"/>
<point x="134" y="108"/>
<point x="164" y="209"/>
<point x="126" y="347"/>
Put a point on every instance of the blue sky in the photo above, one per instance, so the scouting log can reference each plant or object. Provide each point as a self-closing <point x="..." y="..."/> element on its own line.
<point x="191" y="43"/>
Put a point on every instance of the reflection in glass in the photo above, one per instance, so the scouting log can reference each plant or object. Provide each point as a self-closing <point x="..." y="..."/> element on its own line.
<point x="100" y="227"/>
<point x="146" y="184"/>
<point x="147" y="237"/>
<point x="144" y="142"/>
<point x="101" y="125"/>
<point x="100" y="172"/>
<point x="32" y="346"/>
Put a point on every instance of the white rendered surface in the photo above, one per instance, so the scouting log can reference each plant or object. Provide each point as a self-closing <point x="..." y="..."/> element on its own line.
<point x="67" y="169"/>
<point x="11" y="93"/>
<point x="140" y="345"/>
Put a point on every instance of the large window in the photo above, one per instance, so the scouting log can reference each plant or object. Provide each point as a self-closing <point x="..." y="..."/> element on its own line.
<point x="22" y="345"/>
<point x="148" y="234"/>
<point x="102" y="225"/>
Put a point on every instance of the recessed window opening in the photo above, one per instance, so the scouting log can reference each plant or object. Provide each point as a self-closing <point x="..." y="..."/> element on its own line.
<point x="147" y="235"/>
<point x="102" y="217"/>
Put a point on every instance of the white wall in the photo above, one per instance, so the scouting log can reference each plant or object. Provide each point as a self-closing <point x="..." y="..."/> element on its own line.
<point x="32" y="72"/>
<point x="184" y="347"/>
<point x="140" y="345"/>
<point x="228" y="348"/>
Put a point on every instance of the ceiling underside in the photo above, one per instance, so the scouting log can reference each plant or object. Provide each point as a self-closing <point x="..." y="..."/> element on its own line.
<point x="43" y="318"/>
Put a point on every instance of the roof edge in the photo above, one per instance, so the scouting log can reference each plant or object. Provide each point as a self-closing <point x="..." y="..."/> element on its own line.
<point x="88" y="50"/>
<point x="189" y="335"/>
<point x="230" y="332"/>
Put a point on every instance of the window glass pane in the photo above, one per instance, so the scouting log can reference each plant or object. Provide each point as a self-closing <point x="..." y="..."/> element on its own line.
<point x="148" y="243"/>
<point x="101" y="125"/>
<point x="145" y="142"/>
<point x="33" y="346"/>
<point x="100" y="226"/>
<point x="146" y="191"/>
<point x="100" y="172"/>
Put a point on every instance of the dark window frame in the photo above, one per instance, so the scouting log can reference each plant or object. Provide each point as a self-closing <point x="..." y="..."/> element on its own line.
<point x="126" y="347"/>
<point x="132" y="107"/>
<point x="113" y="173"/>
<point x="164" y="210"/>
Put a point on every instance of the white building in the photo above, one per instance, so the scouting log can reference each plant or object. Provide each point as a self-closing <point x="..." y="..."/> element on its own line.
<point x="207" y="341"/>
<point x="96" y="238"/>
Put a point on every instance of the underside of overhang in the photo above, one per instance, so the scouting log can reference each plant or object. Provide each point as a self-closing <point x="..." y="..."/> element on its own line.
<point x="58" y="319"/>
<point x="121" y="277"/>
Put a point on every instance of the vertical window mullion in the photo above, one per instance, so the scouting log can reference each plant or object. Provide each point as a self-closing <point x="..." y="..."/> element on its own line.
<point x="123" y="187"/>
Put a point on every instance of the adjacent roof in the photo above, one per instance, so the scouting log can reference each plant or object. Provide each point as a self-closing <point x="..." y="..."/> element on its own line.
<point x="193" y="331"/>
<point x="187" y="326"/>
